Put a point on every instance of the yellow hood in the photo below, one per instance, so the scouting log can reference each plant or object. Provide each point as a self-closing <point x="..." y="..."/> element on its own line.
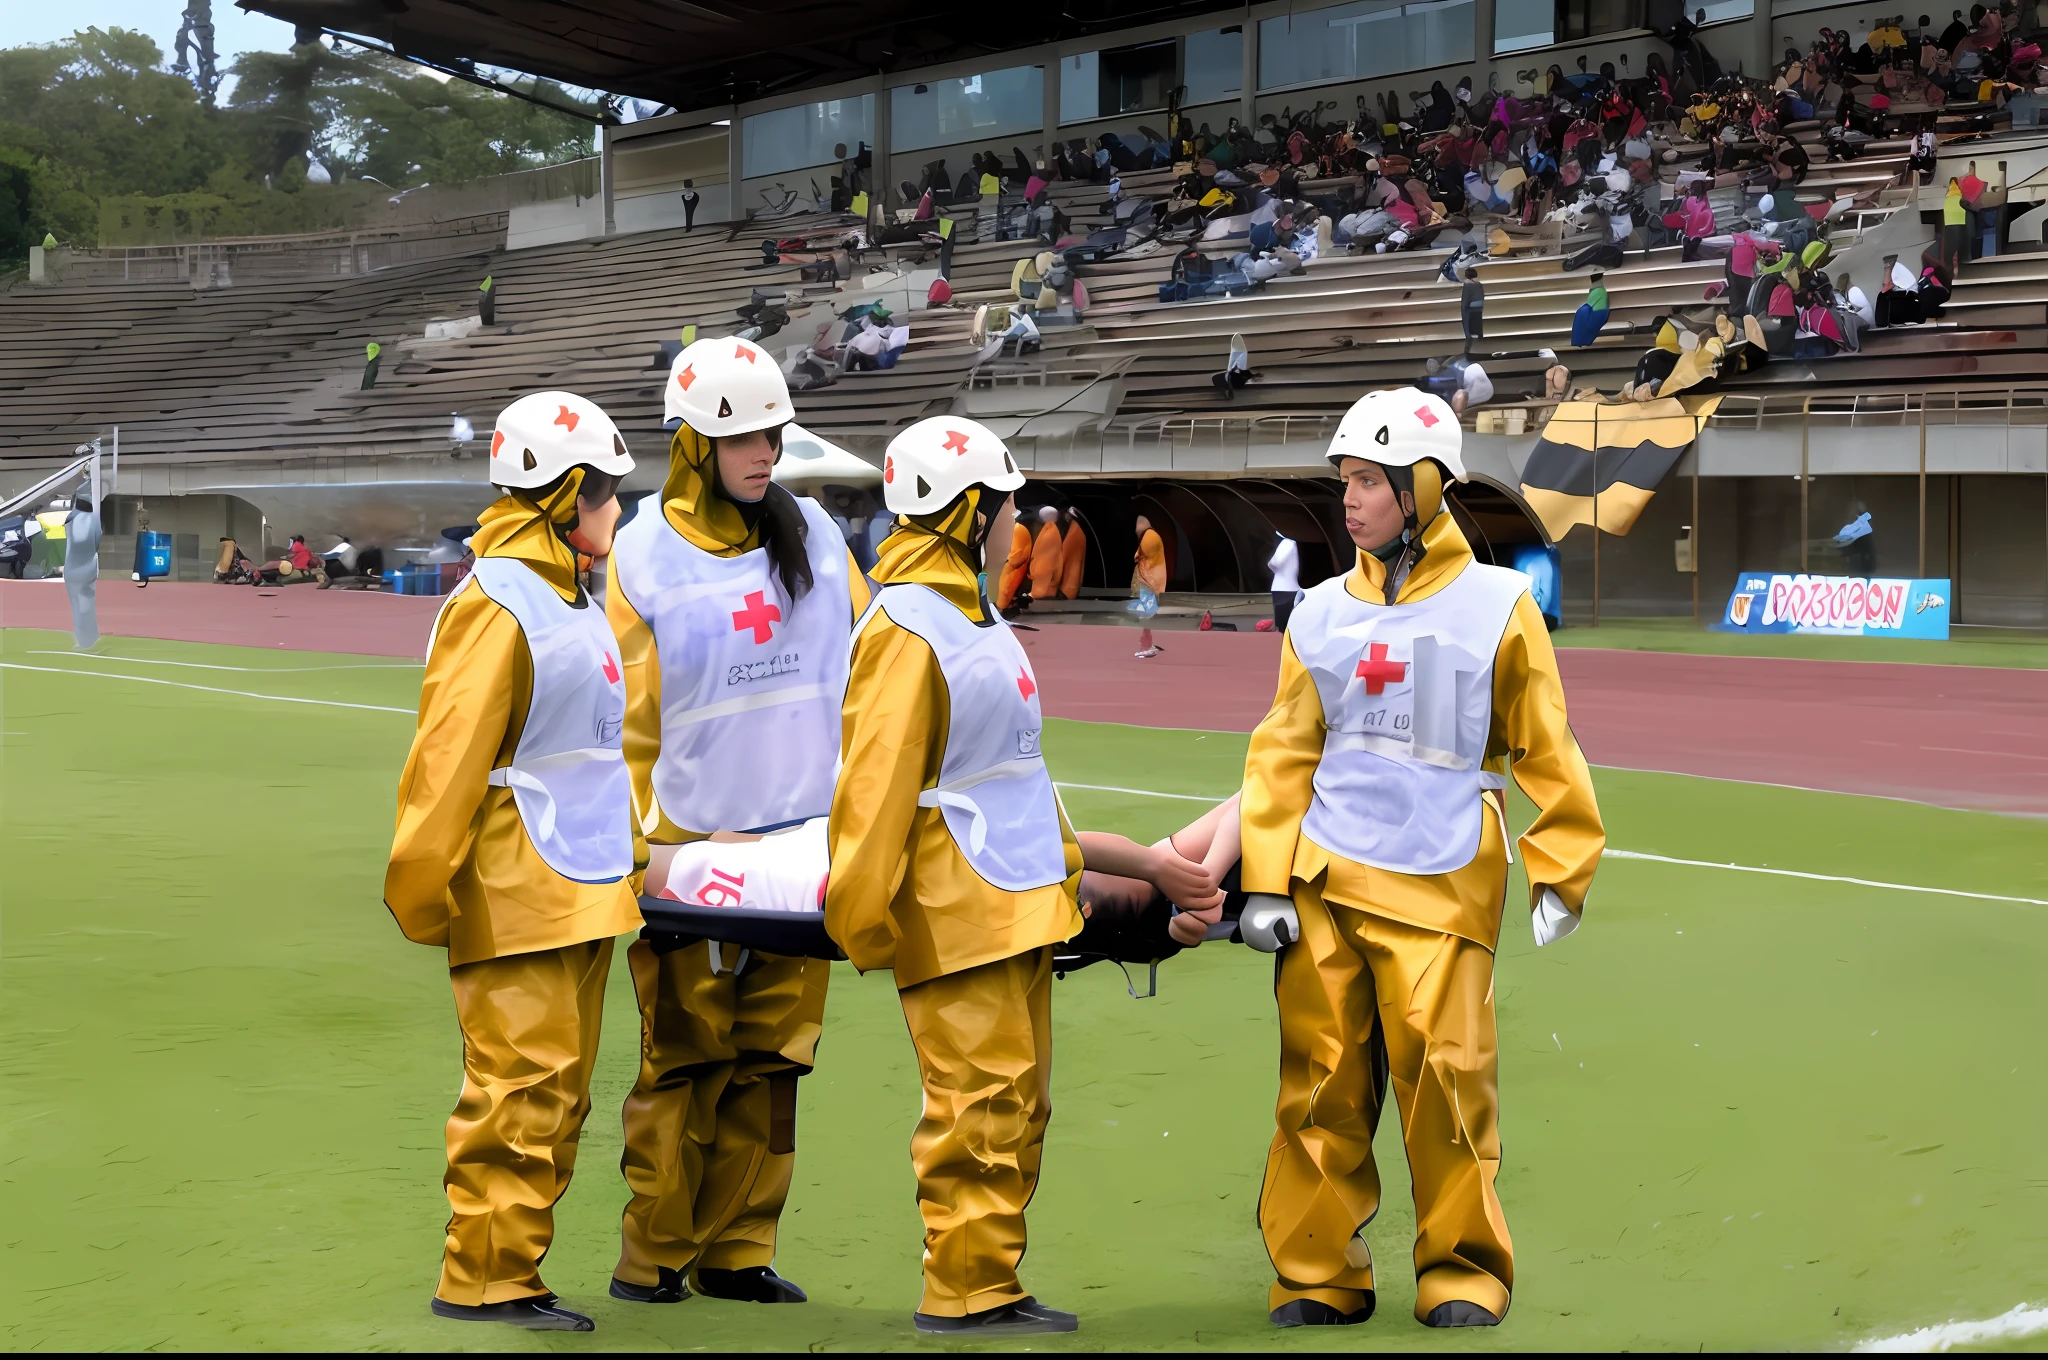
<point x="1445" y="554"/>
<point x="521" y="525"/>
<point x="691" y="500"/>
<point x="931" y="550"/>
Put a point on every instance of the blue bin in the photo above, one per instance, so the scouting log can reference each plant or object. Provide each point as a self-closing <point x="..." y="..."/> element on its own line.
<point x="153" y="555"/>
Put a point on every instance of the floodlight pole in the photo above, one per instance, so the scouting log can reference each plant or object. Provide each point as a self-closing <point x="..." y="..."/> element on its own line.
<point x="1922" y="572"/>
<point x="1596" y="516"/>
<point x="1805" y="424"/>
<point x="1695" y="545"/>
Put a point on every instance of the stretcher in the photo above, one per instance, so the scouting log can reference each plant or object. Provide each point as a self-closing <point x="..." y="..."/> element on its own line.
<point x="1122" y="939"/>
<point x="789" y="933"/>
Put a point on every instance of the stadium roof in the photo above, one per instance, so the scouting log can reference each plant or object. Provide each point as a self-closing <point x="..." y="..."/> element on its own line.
<point x="692" y="54"/>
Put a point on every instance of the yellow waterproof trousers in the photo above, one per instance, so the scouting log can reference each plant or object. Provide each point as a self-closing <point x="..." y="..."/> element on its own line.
<point x="529" y="1038"/>
<point x="984" y="1047"/>
<point x="1431" y="995"/>
<point x="711" y="1121"/>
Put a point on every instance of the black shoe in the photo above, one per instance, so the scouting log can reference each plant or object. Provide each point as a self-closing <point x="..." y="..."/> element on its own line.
<point x="1314" y="1313"/>
<point x="753" y="1284"/>
<point x="1458" y="1313"/>
<point x="537" y="1314"/>
<point x="671" y="1287"/>
<point x="1024" y="1317"/>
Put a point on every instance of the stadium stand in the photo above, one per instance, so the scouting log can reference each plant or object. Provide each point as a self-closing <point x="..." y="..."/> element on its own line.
<point x="268" y="369"/>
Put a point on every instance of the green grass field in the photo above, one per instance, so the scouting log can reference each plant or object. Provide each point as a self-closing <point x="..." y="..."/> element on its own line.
<point x="1739" y="1111"/>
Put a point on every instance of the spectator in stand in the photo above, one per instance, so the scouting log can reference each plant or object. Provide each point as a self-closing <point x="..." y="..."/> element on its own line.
<point x="1073" y="557"/>
<point x="1697" y="220"/>
<point x="1462" y="382"/>
<point x="1472" y="307"/>
<point x="1591" y="316"/>
<point x="1954" y="226"/>
<point x="1920" y="153"/>
<point x="1285" y="564"/>
<point x="1982" y="223"/>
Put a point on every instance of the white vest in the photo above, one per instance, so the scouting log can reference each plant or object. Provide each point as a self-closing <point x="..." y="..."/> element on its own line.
<point x="1407" y="693"/>
<point x="568" y="774"/>
<point x="994" y="790"/>
<point x="750" y="686"/>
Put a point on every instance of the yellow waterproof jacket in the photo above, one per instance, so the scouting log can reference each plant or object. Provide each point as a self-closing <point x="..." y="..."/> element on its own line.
<point x="462" y="872"/>
<point x="714" y="524"/>
<point x="901" y="894"/>
<point x="1529" y="737"/>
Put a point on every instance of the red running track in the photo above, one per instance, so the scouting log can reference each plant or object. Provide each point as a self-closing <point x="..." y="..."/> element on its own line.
<point x="1958" y="736"/>
<point x="298" y="618"/>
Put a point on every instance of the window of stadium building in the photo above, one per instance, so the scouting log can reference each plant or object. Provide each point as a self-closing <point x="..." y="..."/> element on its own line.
<point x="1349" y="42"/>
<point x="944" y="112"/>
<point x="1117" y="80"/>
<point x="1212" y="66"/>
<point x="804" y="134"/>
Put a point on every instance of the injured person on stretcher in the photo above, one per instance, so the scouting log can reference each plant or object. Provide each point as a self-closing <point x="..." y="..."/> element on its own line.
<point x="1142" y="903"/>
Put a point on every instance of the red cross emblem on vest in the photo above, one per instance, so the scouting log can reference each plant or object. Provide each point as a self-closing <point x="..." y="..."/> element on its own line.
<point x="760" y="616"/>
<point x="1025" y="686"/>
<point x="1377" y="671"/>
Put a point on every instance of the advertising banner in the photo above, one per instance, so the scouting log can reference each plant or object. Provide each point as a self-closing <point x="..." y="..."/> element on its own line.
<point x="1844" y="606"/>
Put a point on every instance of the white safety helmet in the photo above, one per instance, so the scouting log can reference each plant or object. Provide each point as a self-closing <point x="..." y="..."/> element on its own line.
<point x="726" y="386"/>
<point x="541" y="436"/>
<point x="1399" y="427"/>
<point x="935" y="460"/>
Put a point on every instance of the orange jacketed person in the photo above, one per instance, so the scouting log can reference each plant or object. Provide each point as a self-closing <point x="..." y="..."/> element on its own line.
<point x="1073" y="558"/>
<point x="1046" y="562"/>
<point x="1150" y="559"/>
<point x="1014" y="567"/>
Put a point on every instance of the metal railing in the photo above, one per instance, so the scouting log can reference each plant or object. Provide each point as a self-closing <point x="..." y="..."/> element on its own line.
<point x="1991" y="407"/>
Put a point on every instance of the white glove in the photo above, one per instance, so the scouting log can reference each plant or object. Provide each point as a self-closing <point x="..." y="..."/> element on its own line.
<point x="1552" y="920"/>
<point x="1268" y="923"/>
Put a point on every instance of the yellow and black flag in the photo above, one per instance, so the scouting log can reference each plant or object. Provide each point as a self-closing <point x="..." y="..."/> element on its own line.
<point x="1599" y="462"/>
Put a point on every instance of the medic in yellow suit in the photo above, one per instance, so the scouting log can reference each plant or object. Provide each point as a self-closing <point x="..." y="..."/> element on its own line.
<point x="1376" y="856"/>
<point x="733" y="603"/>
<point x="954" y="864"/>
<point x="516" y="848"/>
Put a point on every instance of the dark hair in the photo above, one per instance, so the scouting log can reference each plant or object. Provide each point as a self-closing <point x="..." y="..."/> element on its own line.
<point x="782" y="526"/>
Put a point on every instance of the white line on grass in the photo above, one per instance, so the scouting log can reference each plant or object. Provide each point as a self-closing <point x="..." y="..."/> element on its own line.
<point x="207" y="689"/>
<point x="252" y="670"/>
<point x="1823" y="878"/>
<point x="2022" y="1321"/>
<point x="1096" y="788"/>
<point x="1661" y="859"/>
<point x="1146" y="793"/>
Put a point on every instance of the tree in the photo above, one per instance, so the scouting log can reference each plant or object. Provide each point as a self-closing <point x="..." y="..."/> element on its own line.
<point x="111" y="115"/>
<point x="94" y="130"/>
<point x="387" y="119"/>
